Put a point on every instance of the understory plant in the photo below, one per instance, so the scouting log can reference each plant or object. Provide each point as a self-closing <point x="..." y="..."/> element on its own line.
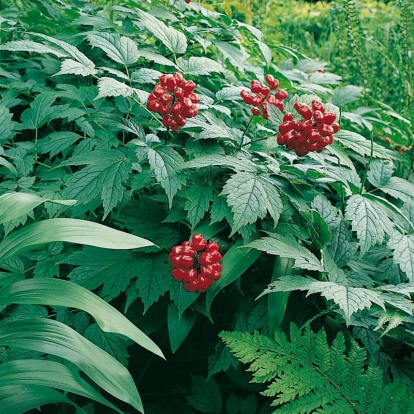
<point x="166" y="183"/>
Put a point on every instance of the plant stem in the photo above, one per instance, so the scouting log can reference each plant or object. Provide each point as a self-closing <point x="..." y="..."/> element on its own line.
<point x="244" y="132"/>
<point x="369" y="163"/>
<point x="257" y="140"/>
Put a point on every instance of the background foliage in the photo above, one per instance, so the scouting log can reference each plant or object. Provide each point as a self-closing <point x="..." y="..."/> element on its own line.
<point x="318" y="265"/>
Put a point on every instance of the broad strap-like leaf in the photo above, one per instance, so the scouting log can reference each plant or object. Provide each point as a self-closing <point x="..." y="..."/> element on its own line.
<point x="369" y="221"/>
<point x="288" y="247"/>
<point x="250" y="197"/>
<point x="48" y="374"/>
<point x="56" y="292"/>
<point x="52" y="337"/>
<point x="120" y="49"/>
<point x="14" y="205"/>
<point x="68" y="230"/>
<point x="166" y="163"/>
<point x="174" y="40"/>
<point x="403" y="246"/>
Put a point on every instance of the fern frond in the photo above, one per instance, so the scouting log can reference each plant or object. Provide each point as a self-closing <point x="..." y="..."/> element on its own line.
<point x="304" y="374"/>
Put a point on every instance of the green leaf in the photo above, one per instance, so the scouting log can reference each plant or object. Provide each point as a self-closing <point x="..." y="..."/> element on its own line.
<point x="348" y="298"/>
<point x="174" y="40"/>
<point x="199" y="66"/>
<point x="349" y="93"/>
<point x="399" y="188"/>
<point x="206" y="395"/>
<point x="87" y="65"/>
<point x="68" y="230"/>
<point x="179" y="326"/>
<point x="235" y="262"/>
<point x="288" y="247"/>
<point x="403" y="246"/>
<point x="49" y="336"/>
<point x="166" y="163"/>
<point x="359" y="144"/>
<point x="40" y="110"/>
<point x="56" y="142"/>
<point x="111" y="87"/>
<point x="368" y="220"/>
<point x="146" y="75"/>
<point x="221" y="360"/>
<point x="56" y="292"/>
<point x="15" y="205"/>
<point x="250" y="197"/>
<point x="120" y="49"/>
<point x="19" y="399"/>
<point x="155" y="57"/>
<point x="6" y="124"/>
<point x="30" y="46"/>
<point x="48" y="374"/>
<point x="235" y="163"/>
<point x="112" y="268"/>
<point x="198" y="197"/>
<point x="380" y="172"/>
<point x="103" y="177"/>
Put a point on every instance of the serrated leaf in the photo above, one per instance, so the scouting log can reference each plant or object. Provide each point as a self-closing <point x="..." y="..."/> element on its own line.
<point x="39" y="111"/>
<point x="368" y="220"/>
<point x="111" y="268"/>
<point x="145" y="75"/>
<point x="349" y="93"/>
<point x="166" y="163"/>
<point x="399" y="188"/>
<point x="250" y="197"/>
<point x="199" y="66"/>
<point x="230" y="93"/>
<point x="348" y="298"/>
<point x="403" y="246"/>
<point x="221" y="360"/>
<point x="174" y="40"/>
<point x="206" y="395"/>
<point x="380" y="172"/>
<point x="289" y="248"/>
<point x="30" y="46"/>
<point x="155" y="57"/>
<point x="359" y="144"/>
<point x="111" y="87"/>
<point x="6" y="124"/>
<point x="237" y="164"/>
<point x="198" y="197"/>
<point x="103" y="177"/>
<point x="56" y="142"/>
<point x="72" y="67"/>
<point x="120" y="49"/>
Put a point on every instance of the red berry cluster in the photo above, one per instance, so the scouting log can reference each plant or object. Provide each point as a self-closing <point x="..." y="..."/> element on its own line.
<point x="313" y="133"/>
<point x="260" y="96"/>
<point x="395" y="147"/>
<point x="196" y="263"/>
<point x="174" y="98"/>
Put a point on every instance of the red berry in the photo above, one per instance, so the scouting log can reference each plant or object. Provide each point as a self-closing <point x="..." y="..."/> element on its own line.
<point x="325" y="129"/>
<point x="167" y="120"/>
<point x="318" y="117"/>
<point x="178" y="274"/>
<point x="175" y="126"/>
<point x="176" y="107"/>
<point x="314" y="136"/>
<point x="265" y="90"/>
<point x="215" y="256"/>
<point x="211" y="247"/>
<point x="281" y="94"/>
<point x="170" y="83"/>
<point x="286" y="127"/>
<point x="154" y="105"/>
<point x="329" y="117"/>
<point x="290" y="136"/>
<point x="288" y="117"/>
<point x="255" y="111"/>
<point x="205" y="259"/>
<point x="176" y="250"/>
<point x="187" y="103"/>
<point x="193" y="286"/>
<point x="186" y="243"/>
<point x="403" y="150"/>
<point x="179" y="79"/>
<point x="175" y="261"/>
<point x="275" y="84"/>
<point x="187" y="250"/>
<point x="204" y="283"/>
<point x="166" y="98"/>
<point x="194" y="97"/>
<point x="270" y="80"/>
<point x="178" y="92"/>
<point x="306" y="126"/>
<point x="186" y="261"/>
<point x="279" y="139"/>
<point x="163" y="79"/>
<point x="302" y="149"/>
<point x="188" y="86"/>
<point x="198" y="238"/>
<point x="257" y="100"/>
<point x="158" y="90"/>
<point x="188" y="1"/>
<point x="255" y="86"/>
<point x="335" y="127"/>
<point x="318" y="106"/>
<point x="279" y="104"/>
<point x="303" y="110"/>
<point x="190" y="275"/>
<point x="313" y="146"/>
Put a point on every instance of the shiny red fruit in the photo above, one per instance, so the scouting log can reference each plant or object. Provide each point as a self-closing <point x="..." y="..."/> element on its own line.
<point x="281" y="94"/>
<point x="178" y="274"/>
<point x="270" y="80"/>
<point x="212" y="246"/>
<point x="191" y="287"/>
<point x="318" y="117"/>
<point x="190" y="275"/>
<point x="318" y="106"/>
<point x="288" y="117"/>
<point x="329" y="117"/>
<point x="255" y="111"/>
<point x="186" y="261"/>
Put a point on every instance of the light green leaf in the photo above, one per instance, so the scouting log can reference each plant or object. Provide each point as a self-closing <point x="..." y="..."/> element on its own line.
<point x="155" y="57"/>
<point x="56" y="292"/>
<point x="348" y="298"/>
<point x="69" y="230"/>
<point x="72" y="67"/>
<point x="19" y="399"/>
<point x="380" y="172"/>
<point x="399" y="188"/>
<point x="14" y="205"/>
<point x="288" y="247"/>
<point x="165" y="162"/>
<point x="112" y="87"/>
<point x="199" y="66"/>
<point x="146" y="75"/>
<point x="359" y="144"/>
<point x="48" y="374"/>
<point x="6" y="124"/>
<point x="230" y="93"/>
<point x="349" y="93"/>
<point x="237" y="164"/>
<point x="250" y="197"/>
<point x="402" y="288"/>
<point x="52" y="337"/>
<point x="403" y="246"/>
<point x="174" y="40"/>
<point x="39" y="111"/>
<point x="121" y="49"/>
<point x="30" y="46"/>
<point x="89" y="66"/>
<point x="369" y="221"/>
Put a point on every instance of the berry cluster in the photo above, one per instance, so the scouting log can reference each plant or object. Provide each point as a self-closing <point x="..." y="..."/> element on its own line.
<point x="174" y="98"/>
<point x="313" y="133"/>
<point x="260" y="96"/>
<point x="196" y="263"/>
<point x="395" y="147"/>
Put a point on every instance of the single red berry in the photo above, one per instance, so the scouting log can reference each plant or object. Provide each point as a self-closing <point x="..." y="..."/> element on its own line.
<point x="178" y="274"/>
<point x="275" y="84"/>
<point x="178" y="92"/>
<point x="189" y="86"/>
<point x="205" y="259"/>
<point x="335" y="127"/>
<point x="187" y="103"/>
<point x="154" y="105"/>
<point x="216" y="256"/>
<point x="270" y="79"/>
<point x="314" y="136"/>
<point x="179" y="79"/>
<point x="279" y="104"/>
<point x="186" y="243"/>
<point x="204" y="283"/>
<point x="167" y="120"/>
<point x="326" y="140"/>
<point x="255" y="86"/>
<point x="302" y="149"/>
<point x="303" y="110"/>
<point x="176" y="107"/>
<point x="306" y="126"/>
<point x="212" y="246"/>
<point x="175" y="261"/>
<point x="318" y="117"/>
<point x="279" y="139"/>
<point x="166" y="98"/>
<point x="257" y="100"/>
<point x="191" y="287"/>
<point x="158" y="90"/>
<point x="329" y="117"/>
<point x="288" y="117"/>
<point x="281" y="94"/>
<point x="170" y="83"/>
<point x="188" y="1"/>
<point x="175" y="126"/>
<point x="403" y="150"/>
<point x="198" y="238"/>
<point x="318" y="106"/>
<point x="176" y="250"/>
<point x="255" y="111"/>
<point x="313" y="146"/>
<point x="265" y="90"/>
<point x="190" y="275"/>
<point x="194" y="97"/>
<point x="325" y="130"/>
<point x="216" y="274"/>
<point x="187" y="250"/>
<point x="244" y="93"/>
<point x="286" y="127"/>
<point x="301" y="137"/>
<point x="163" y="79"/>
<point x="186" y="261"/>
<point x="290" y="136"/>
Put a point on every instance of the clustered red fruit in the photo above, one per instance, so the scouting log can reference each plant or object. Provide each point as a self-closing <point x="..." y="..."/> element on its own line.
<point x="174" y="98"/>
<point x="196" y="263"/>
<point x="313" y="133"/>
<point x="395" y="147"/>
<point x="260" y="96"/>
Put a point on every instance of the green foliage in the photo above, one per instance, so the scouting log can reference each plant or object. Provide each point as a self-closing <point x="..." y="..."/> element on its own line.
<point x="306" y="374"/>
